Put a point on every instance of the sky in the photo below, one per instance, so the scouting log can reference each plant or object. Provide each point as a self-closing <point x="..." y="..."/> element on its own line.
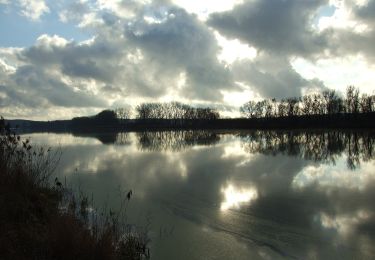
<point x="63" y="58"/>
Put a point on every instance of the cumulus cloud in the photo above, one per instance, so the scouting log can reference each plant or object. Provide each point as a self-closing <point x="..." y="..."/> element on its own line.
<point x="74" y="11"/>
<point x="33" y="9"/>
<point x="272" y="76"/>
<point x="281" y="27"/>
<point x="178" y="42"/>
<point x="155" y="50"/>
<point x="278" y="30"/>
<point x="34" y="87"/>
<point x="40" y="83"/>
<point x="283" y="30"/>
<point x="366" y="11"/>
<point x="137" y="57"/>
<point x="156" y="45"/>
<point x="348" y="41"/>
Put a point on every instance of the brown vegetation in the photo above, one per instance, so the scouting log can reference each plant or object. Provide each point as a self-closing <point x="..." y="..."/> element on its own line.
<point x="43" y="220"/>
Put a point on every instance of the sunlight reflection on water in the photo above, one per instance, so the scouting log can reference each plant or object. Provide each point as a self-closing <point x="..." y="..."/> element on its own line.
<point x="235" y="197"/>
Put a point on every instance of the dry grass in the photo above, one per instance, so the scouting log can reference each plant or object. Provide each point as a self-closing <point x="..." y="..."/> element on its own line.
<point x="38" y="220"/>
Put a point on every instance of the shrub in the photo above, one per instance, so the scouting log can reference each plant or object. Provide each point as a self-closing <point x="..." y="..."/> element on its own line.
<point x="44" y="220"/>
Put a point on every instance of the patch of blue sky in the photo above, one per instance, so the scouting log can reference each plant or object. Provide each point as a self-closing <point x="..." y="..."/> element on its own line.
<point x="324" y="11"/>
<point x="19" y="31"/>
<point x="327" y="10"/>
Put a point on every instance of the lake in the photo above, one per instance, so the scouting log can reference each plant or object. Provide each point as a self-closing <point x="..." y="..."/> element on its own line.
<point x="233" y="195"/>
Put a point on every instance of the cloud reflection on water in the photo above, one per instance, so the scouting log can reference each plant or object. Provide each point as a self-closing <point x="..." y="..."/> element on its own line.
<point x="287" y="203"/>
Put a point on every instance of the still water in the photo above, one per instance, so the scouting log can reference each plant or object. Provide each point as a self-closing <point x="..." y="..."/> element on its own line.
<point x="234" y="195"/>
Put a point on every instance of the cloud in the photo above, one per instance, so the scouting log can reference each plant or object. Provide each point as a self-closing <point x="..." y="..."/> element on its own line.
<point x="126" y="58"/>
<point x="350" y="30"/>
<point x="31" y="83"/>
<point x="154" y="50"/>
<point x="33" y="87"/>
<point x="33" y="9"/>
<point x="366" y="12"/>
<point x="278" y="30"/>
<point x="272" y="76"/>
<point x="178" y="42"/>
<point x="280" y="27"/>
<point x="144" y="54"/>
<point x="74" y="11"/>
<point x="94" y="60"/>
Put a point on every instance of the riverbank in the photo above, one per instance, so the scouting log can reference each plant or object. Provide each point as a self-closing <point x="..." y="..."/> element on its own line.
<point x="42" y="219"/>
<point x="336" y="121"/>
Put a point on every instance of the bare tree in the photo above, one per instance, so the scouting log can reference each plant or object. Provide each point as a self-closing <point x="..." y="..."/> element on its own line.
<point x="352" y="100"/>
<point x="122" y="113"/>
<point x="248" y="109"/>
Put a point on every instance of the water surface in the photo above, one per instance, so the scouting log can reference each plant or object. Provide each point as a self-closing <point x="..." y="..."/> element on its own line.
<point x="237" y="195"/>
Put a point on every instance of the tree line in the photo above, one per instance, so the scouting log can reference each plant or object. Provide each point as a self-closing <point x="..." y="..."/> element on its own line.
<point x="325" y="103"/>
<point x="172" y="114"/>
<point x="170" y="110"/>
<point x="311" y="110"/>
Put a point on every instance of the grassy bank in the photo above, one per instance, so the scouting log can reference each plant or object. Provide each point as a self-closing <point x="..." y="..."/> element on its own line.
<point x="41" y="219"/>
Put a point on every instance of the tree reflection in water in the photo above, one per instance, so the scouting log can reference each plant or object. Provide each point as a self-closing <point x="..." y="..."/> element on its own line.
<point x="320" y="146"/>
<point x="175" y="140"/>
<point x="283" y="205"/>
<point x="324" y="146"/>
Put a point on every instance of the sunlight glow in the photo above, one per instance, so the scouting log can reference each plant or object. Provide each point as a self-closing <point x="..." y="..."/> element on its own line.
<point x="235" y="197"/>
<point x="338" y="73"/>
<point x="342" y="17"/>
<point x="204" y="8"/>
<point x="236" y="98"/>
<point x="232" y="50"/>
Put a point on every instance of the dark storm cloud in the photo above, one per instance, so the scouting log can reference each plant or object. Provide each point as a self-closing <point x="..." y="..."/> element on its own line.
<point x="282" y="27"/>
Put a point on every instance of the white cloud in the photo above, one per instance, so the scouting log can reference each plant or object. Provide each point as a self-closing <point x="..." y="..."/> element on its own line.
<point x="46" y="41"/>
<point x="204" y="8"/>
<point x="6" y="68"/>
<point x="124" y="9"/>
<point x="169" y="50"/>
<point x="33" y="9"/>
